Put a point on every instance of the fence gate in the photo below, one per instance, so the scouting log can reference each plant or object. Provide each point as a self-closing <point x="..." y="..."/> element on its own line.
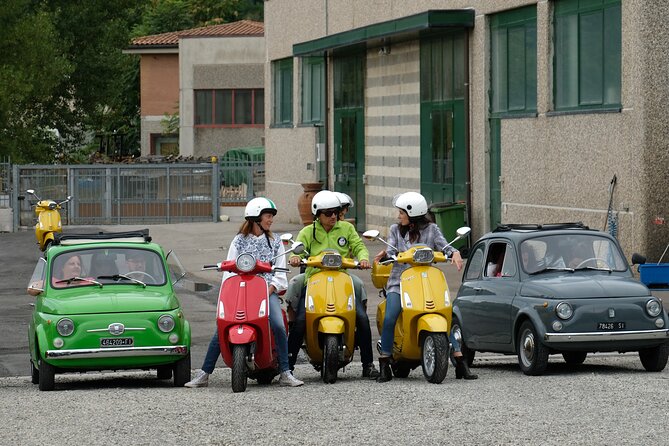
<point x="121" y="194"/>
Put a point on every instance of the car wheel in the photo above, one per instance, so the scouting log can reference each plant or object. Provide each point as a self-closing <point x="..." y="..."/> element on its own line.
<point x="34" y="373"/>
<point x="47" y="376"/>
<point x="467" y="353"/>
<point x="654" y="359"/>
<point x="434" y="358"/>
<point x="181" y="371"/>
<point x="401" y="369"/>
<point x="532" y="354"/>
<point x="574" y="358"/>
<point x="164" y="372"/>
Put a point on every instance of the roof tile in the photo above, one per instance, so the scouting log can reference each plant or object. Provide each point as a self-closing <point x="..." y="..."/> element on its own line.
<point x="234" y="29"/>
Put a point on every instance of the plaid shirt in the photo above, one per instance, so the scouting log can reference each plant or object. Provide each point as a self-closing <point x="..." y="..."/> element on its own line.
<point x="430" y="236"/>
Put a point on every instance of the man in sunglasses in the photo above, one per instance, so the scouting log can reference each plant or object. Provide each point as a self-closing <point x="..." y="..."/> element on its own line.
<point x="328" y="232"/>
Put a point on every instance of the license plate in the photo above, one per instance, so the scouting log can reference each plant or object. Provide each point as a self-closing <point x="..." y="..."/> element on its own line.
<point x="609" y="326"/>
<point x="117" y="342"/>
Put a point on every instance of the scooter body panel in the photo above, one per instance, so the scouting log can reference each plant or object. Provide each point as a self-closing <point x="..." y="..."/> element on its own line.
<point x="48" y="223"/>
<point x="243" y="318"/>
<point x="330" y="308"/>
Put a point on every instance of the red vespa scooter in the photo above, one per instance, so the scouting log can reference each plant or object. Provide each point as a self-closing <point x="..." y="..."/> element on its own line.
<point x="244" y="331"/>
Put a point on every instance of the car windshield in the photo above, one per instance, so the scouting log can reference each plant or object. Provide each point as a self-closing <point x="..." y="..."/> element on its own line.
<point x="102" y="266"/>
<point x="571" y="252"/>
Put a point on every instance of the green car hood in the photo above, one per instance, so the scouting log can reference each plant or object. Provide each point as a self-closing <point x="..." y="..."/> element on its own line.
<point x="582" y="286"/>
<point x="92" y="300"/>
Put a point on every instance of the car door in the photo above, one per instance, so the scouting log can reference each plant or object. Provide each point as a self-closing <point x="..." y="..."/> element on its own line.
<point x="494" y="298"/>
<point x="466" y="300"/>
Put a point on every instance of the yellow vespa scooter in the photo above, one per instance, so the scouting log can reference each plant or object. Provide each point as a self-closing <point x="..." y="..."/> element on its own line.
<point x="48" y="219"/>
<point x="421" y="331"/>
<point x="330" y="314"/>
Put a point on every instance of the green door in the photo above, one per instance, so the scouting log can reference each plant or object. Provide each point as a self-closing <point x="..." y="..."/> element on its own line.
<point x="443" y="163"/>
<point x="349" y="132"/>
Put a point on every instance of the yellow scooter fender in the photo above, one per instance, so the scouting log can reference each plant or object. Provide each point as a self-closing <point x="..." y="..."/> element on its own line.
<point x="331" y="325"/>
<point x="433" y="322"/>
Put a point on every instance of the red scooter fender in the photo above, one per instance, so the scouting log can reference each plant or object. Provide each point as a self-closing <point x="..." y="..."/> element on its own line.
<point x="241" y="334"/>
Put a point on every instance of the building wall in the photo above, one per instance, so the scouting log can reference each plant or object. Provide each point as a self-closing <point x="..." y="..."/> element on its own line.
<point x="234" y="62"/>
<point x="554" y="167"/>
<point x="159" y="93"/>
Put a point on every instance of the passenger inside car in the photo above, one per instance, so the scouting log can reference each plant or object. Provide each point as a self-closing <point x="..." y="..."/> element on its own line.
<point x="495" y="260"/>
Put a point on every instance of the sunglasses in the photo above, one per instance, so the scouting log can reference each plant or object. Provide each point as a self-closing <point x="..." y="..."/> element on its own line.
<point x="330" y="212"/>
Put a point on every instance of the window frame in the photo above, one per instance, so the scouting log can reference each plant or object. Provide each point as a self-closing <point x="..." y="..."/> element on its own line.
<point x="257" y="99"/>
<point x="282" y="92"/>
<point x="570" y="92"/>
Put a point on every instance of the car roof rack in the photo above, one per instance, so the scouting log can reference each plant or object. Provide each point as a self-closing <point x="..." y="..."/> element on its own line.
<point x="540" y="227"/>
<point x="137" y="236"/>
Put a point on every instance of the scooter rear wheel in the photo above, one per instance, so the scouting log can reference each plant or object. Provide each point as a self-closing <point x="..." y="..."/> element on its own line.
<point x="239" y="370"/>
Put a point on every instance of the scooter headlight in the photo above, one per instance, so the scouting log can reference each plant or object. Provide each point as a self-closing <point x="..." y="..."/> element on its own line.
<point x="423" y="255"/>
<point x="65" y="327"/>
<point x="653" y="307"/>
<point x="332" y="260"/>
<point x="245" y="262"/>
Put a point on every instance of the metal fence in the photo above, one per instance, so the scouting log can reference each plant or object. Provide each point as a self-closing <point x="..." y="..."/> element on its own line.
<point x="241" y="180"/>
<point x="121" y="194"/>
<point x="5" y="182"/>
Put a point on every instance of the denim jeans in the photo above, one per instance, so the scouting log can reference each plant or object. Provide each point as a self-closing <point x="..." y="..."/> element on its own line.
<point x="393" y="310"/>
<point x="280" y="339"/>
<point x="363" y="331"/>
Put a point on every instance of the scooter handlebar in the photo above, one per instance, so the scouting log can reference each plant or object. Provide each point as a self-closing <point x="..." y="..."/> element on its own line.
<point x="211" y="267"/>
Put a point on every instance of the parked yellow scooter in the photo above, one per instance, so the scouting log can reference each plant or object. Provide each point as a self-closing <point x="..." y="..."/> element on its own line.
<point x="421" y="331"/>
<point x="48" y="219"/>
<point x="330" y="314"/>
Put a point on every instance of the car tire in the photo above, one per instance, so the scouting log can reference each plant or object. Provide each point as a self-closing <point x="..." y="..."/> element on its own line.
<point x="467" y="353"/>
<point x="181" y="371"/>
<point x="655" y="359"/>
<point x="34" y="373"/>
<point x="574" y="358"/>
<point x="164" y="372"/>
<point x="532" y="354"/>
<point x="47" y="376"/>
<point x="434" y="357"/>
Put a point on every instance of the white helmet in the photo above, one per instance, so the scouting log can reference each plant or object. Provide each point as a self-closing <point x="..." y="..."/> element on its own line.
<point x="324" y="199"/>
<point x="345" y="199"/>
<point x="413" y="203"/>
<point x="256" y="207"/>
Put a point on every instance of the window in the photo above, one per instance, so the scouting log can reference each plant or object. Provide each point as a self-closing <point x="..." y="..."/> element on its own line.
<point x="230" y="108"/>
<point x="475" y="264"/>
<point x="282" y="72"/>
<point x="313" y="89"/>
<point x="513" y="71"/>
<point x="587" y="39"/>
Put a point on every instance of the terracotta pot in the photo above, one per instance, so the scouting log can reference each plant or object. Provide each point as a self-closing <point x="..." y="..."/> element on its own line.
<point x="304" y="201"/>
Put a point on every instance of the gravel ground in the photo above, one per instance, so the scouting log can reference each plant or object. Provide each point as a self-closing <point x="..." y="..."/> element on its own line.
<point x="609" y="400"/>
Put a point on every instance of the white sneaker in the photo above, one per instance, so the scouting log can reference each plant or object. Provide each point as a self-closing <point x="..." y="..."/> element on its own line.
<point x="287" y="379"/>
<point x="200" y="380"/>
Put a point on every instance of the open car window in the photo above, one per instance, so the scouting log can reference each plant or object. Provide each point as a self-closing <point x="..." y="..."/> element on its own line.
<point x="125" y="266"/>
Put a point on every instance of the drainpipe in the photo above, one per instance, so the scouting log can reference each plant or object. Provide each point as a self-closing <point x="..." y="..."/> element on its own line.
<point x="326" y="125"/>
<point x="468" y="182"/>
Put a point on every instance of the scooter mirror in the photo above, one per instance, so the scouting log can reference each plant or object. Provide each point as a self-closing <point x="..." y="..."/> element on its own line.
<point x="463" y="231"/>
<point x="298" y="247"/>
<point x="31" y="191"/>
<point x="286" y="237"/>
<point x="372" y="234"/>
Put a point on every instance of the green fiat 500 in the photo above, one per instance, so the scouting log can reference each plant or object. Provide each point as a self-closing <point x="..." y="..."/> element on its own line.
<point x="106" y="302"/>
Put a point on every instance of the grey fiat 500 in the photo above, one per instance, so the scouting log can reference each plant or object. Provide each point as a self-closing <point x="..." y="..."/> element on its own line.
<point x="537" y="290"/>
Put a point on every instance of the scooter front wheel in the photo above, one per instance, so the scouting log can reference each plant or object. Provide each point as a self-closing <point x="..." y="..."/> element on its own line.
<point x="239" y="371"/>
<point x="435" y="357"/>
<point x="330" y="359"/>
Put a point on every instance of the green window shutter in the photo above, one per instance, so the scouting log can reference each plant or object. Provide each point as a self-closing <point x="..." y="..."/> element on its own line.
<point x="513" y="56"/>
<point x="282" y="71"/>
<point x="313" y="89"/>
<point x="587" y="61"/>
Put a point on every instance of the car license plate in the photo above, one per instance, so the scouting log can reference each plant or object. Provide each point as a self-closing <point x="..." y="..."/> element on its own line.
<point x="116" y="342"/>
<point x="608" y="326"/>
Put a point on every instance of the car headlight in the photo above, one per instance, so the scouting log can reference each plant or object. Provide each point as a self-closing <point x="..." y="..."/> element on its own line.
<point x="564" y="311"/>
<point x="246" y="262"/>
<point x="166" y="323"/>
<point x="423" y="255"/>
<point x="65" y="327"/>
<point x="653" y="307"/>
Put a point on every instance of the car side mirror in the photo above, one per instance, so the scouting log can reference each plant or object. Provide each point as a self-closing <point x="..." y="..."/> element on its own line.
<point x="638" y="259"/>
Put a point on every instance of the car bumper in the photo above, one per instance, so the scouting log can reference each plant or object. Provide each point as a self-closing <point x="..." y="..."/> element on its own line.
<point x="604" y="336"/>
<point x="119" y="352"/>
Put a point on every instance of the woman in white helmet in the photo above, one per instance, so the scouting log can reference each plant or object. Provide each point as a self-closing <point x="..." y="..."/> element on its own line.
<point x="346" y="203"/>
<point x="413" y="227"/>
<point x="329" y="232"/>
<point x="255" y="237"/>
